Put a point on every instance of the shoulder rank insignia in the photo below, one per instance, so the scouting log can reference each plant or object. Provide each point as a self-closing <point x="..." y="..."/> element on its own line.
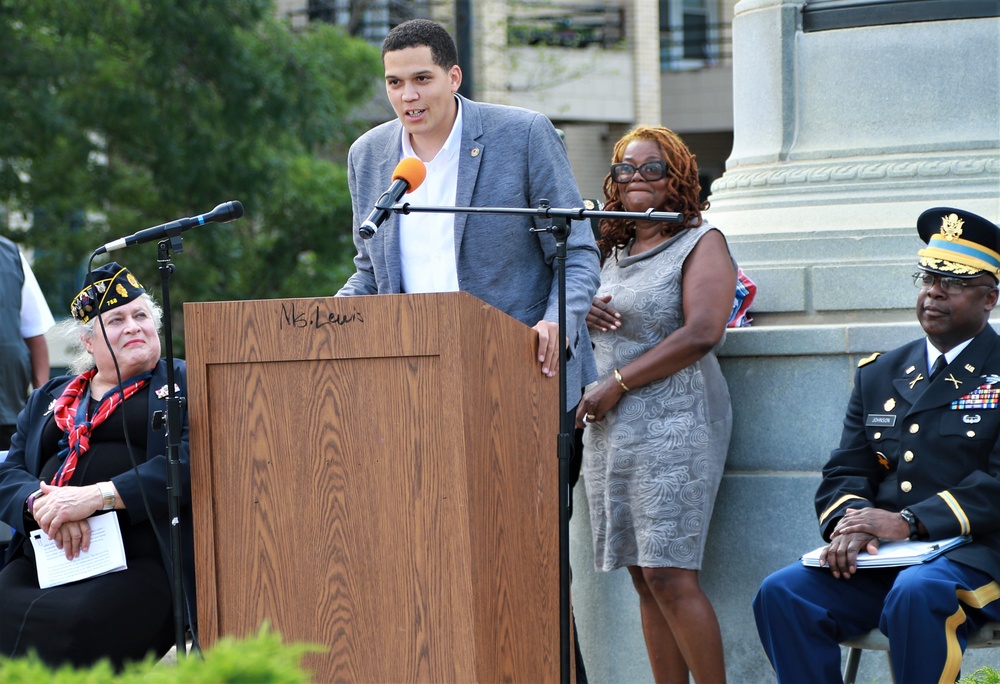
<point x="868" y="359"/>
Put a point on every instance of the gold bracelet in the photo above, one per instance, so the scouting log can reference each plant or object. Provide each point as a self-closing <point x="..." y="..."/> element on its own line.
<point x="618" y="377"/>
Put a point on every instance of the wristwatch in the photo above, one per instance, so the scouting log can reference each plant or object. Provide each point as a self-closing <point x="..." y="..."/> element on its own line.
<point x="108" y="492"/>
<point x="29" y="504"/>
<point x="911" y="520"/>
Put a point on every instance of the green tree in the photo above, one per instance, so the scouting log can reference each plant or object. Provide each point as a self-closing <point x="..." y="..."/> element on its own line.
<point x="116" y="115"/>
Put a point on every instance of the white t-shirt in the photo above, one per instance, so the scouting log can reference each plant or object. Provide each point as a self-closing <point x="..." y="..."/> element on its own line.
<point x="35" y="315"/>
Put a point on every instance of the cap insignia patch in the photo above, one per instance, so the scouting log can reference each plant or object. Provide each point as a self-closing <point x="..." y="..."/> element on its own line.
<point x="951" y="227"/>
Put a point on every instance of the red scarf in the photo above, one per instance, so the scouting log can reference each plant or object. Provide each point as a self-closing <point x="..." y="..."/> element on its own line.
<point x="70" y="413"/>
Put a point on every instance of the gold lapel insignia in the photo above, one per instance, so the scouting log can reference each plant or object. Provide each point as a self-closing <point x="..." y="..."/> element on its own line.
<point x="910" y="369"/>
<point x="474" y="151"/>
<point x="952" y="378"/>
<point x="914" y="381"/>
<point x="969" y="367"/>
<point x="890" y="404"/>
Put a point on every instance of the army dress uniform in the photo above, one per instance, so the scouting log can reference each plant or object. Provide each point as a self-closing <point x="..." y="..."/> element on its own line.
<point x="927" y="445"/>
<point x="930" y="446"/>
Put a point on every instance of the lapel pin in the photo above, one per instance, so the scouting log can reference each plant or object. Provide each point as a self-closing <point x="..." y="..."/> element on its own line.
<point x="890" y="404"/>
<point x="914" y="381"/>
<point x="163" y="391"/>
<point x="969" y="367"/>
<point x="951" y="378"/>
<point x="910" y="369"/>
<point x="474" y="151"/>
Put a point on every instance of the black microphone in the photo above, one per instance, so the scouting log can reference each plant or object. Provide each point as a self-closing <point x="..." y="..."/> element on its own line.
<point x="406" y="177"/>
<point x="227" y="211"/>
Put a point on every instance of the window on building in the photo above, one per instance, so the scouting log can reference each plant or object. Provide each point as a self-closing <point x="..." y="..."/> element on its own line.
<point x="688" y="34"/>
<point x="367" y="19"/>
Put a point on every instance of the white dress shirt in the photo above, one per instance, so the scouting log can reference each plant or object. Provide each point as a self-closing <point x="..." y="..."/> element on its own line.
<point x="933" y="353"/>
<point x="427" y="240"/>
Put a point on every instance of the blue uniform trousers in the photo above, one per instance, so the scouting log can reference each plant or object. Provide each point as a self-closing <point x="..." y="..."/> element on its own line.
<point x="926" y="610"/>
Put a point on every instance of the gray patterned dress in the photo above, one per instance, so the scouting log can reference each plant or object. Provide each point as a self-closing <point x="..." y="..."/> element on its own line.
<point x="652" y="467"/>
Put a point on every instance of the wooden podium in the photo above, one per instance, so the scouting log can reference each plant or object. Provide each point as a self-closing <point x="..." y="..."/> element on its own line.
<point x="378" y="475"/>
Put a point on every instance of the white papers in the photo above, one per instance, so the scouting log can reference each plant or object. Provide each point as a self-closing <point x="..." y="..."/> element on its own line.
<point x="896" y="553"/>
<point x="106" y="554"/>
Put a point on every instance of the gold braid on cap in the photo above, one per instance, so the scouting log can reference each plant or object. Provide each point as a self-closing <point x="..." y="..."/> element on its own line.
<point x="952" y="267"/>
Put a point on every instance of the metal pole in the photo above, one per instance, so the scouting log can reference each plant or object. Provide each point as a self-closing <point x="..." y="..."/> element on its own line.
<point x="463" y="41"/>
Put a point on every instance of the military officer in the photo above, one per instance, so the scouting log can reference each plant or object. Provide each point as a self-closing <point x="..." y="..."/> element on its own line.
<point x="919" y="459"/>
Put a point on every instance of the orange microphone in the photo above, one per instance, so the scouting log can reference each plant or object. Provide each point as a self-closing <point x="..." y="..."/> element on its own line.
<point x="406" y="177"/>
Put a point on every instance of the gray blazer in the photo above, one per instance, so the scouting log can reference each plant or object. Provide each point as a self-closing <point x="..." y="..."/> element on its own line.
<point x="510" y="157"/>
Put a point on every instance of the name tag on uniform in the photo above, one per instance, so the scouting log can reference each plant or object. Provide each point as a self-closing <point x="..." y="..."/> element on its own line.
<point x="880" y="420"/>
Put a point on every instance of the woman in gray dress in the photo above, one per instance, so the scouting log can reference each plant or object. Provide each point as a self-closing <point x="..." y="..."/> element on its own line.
<point x="658" y="422"/>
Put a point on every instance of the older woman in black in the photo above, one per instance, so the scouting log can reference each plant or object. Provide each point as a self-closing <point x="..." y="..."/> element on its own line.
<point x="85" y="446"/>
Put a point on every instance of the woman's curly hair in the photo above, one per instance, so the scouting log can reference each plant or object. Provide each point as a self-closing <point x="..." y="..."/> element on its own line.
<point x="683" y="187"/>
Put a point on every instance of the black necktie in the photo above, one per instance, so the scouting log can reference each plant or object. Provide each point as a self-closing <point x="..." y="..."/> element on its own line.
<point x="938" y="366"/>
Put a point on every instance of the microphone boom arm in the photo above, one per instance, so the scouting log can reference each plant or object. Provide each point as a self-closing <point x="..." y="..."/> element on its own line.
<point x="542" y="211"/>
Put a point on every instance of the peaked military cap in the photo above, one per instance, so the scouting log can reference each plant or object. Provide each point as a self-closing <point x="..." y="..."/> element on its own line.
<point x="959" y="243"/>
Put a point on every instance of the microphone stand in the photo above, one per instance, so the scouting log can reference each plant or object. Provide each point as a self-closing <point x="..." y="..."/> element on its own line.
<point x="560" y="230"/>
<point x="173" y="426"/>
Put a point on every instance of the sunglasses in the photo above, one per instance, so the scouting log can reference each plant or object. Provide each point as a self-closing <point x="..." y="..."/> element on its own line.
<point x="650" y="171"/>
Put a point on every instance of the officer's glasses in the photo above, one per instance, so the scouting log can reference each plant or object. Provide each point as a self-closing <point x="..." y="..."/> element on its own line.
<point x="948" y="285"/>
<point x="650" y="171"/>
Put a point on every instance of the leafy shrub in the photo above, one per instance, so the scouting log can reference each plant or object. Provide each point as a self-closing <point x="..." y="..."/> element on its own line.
<point x="262" y="659"/>
<point x="984" y="675"/>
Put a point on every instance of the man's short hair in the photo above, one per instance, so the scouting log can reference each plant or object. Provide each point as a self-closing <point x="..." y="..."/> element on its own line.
<point x="420" y="33"/>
